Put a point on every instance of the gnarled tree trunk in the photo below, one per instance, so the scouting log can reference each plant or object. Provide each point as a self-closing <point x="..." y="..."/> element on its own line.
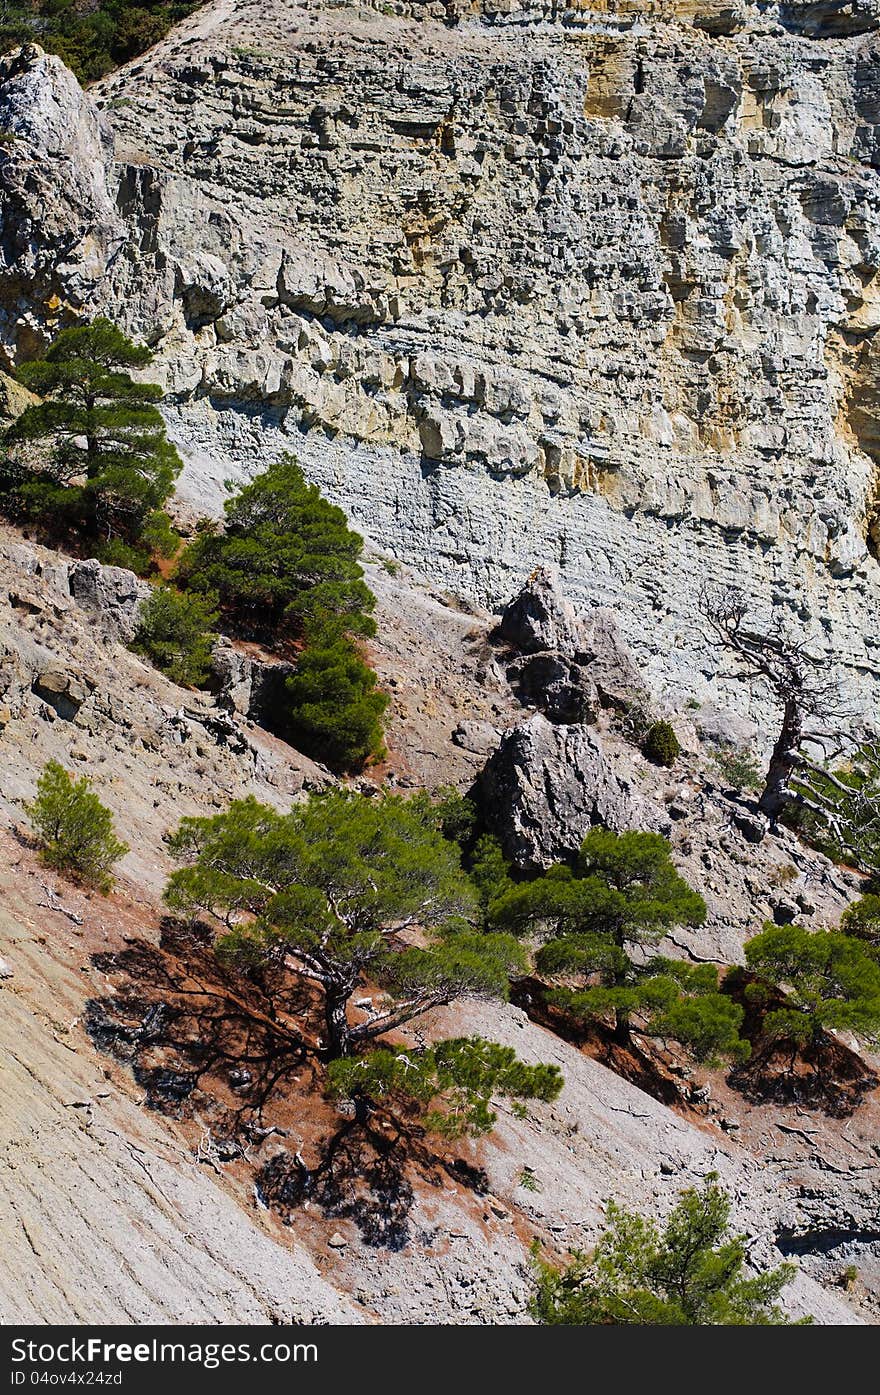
<point x="336" y="1020"/>
<point x="783" y="762"/>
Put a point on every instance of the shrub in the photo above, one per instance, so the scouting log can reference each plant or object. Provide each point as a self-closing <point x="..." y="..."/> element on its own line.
<point x="117" y="553"/>
<point x="862" y="919"/>
<point x="689" y="1273"/>
<point x="451" y="813"/>
<point x="93" y="39"/>
<point x="660" y="744"/>
<point x="739" y="770"/>
<point x="75" y="828"/>
<point x="175" y="633"/>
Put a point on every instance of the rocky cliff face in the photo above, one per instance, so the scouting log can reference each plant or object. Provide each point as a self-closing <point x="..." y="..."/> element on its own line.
<point x="589" y="287"/>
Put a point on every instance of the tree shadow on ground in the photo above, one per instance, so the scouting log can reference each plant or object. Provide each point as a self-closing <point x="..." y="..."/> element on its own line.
<point x="189" y="1028"/>
<point x="639" y="1061"/>
<point x="360" y="1176"/>
<point x="238" y="1053"/>
<point x="823" y="1074"/>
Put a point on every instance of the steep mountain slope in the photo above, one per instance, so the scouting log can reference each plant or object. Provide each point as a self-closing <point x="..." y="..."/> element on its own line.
<point x="100" y="1196"/>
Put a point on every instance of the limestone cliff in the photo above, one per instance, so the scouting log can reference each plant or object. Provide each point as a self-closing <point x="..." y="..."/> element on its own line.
<point x="595" y="287"/>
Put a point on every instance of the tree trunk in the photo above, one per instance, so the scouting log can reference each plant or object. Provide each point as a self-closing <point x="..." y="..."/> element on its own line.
<point x="93" y="445"/>
<point x="621" y="1016"/>
<point x="783" y="762"/>
<point x="622" y="1032"/>
<point x="336" y="1019"/>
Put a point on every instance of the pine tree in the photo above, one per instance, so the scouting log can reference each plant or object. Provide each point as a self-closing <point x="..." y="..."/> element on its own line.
<point x="286" y="559"/>
<point x="623" y="895"/>
<point x="831" y="981"/>
<point x="75" y="828"/>
<point x="331" y="890"/>
<point x="688" y="1273"/>
<point x="457" y="1078"/>
<point x="92" y="456"/>
<point x="332" y="707"/>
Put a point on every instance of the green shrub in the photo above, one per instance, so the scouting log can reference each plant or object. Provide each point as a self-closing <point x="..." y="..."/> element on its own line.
<point x="739" y="770"/>
<point x="175" y="632"/>
<point x="159" y="536"/>
<point x="660" y="744"/>
<point x="117" y="553"/>
<point x="75" y="828"/>
<point x="451" y="813"/>
<point x="862" y="919"/>
<point x="94" y="39"/>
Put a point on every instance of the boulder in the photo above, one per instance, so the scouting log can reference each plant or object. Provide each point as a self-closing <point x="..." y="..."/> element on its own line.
<point x="547" y="784"/>
<point x="112" y="595"/>
<point x="246" y="686"/>
<point x="14" y="398"/>
<point x="723" y="728"/>
<point x="478" y="737"/>
<point x="232" y="674"/>
<point x="59" y="224"/>
<point x="62" y="691"/>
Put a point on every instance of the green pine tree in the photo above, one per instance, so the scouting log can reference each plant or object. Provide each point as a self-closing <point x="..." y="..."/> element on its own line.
<point x="332" y="707"/>
<point x="688" y="1273"/>
<point x="596" y="921"/>
<point x="454" y="1080"/>
<point x="331" y="890"/>
<point x="831" y="981"/>
<point x="74" y="827"/>
<point x="92" y="457"/>
<point x="285" y="560"/>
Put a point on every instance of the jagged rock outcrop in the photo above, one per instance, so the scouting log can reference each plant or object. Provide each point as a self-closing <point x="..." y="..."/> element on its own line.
<point x="553" y="776"/>
<point x="541" y="617"/>
<point x="548" y="783"/>
<point x="569" y="665"/>
<point x="246" y="685"/>
<point x="112" y="596"/>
